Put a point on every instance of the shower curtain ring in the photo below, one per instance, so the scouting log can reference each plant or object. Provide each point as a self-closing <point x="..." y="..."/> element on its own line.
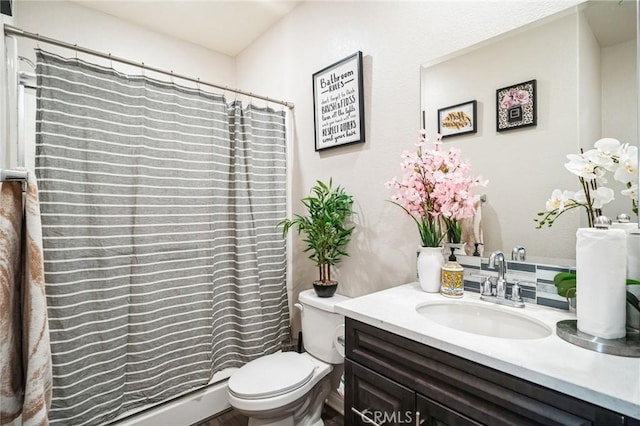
<point x="142" y="67"/>
<point x="38" y="40"/>
<point x="110" y="61"/>
<point x="198" y="84"/>
<point x="75" y="47"/>
<point x="172" y="82"/>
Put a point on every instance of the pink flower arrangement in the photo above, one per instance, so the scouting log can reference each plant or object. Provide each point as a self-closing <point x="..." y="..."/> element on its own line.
<point x="515" y="97"/>
<point x="435" y="186"/>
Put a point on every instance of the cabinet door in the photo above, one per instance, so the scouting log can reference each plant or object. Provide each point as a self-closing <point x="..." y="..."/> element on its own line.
<point x="371" y="399"/>
<point x="432" y="413"/>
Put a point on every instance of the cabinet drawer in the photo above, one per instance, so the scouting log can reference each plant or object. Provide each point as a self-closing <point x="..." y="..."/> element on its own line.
<point x="473" y="390"/>
<point x="436" y="414"/>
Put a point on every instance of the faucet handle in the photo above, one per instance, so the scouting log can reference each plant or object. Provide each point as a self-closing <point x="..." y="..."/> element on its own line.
<point x="516" y="292"/>
<point x="486" y="287"/>
<point x="519" y="253"/>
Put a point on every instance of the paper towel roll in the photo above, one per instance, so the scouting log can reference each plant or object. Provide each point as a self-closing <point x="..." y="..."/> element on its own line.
<point x="633" y="248"/>
<point x="633" y="256"/>
<point x="601" y="264"/>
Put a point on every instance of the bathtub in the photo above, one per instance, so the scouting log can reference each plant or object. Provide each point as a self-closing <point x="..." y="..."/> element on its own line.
<point x="187" y="409"/>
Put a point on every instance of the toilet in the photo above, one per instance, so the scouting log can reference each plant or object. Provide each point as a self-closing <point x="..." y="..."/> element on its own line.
<point x="289" y="388"/>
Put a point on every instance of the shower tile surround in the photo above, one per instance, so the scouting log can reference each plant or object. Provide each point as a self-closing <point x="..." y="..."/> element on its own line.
<point x="536" y="280"/>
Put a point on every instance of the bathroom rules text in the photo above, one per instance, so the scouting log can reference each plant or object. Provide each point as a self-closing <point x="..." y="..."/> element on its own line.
<point x="337" y="104"/>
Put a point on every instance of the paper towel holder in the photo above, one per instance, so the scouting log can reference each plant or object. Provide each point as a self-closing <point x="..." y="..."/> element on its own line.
<point x="628" y="346"/>
<point x="602" y="222"/>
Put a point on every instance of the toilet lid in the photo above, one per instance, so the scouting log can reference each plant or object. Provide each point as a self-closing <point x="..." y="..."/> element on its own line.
<point x="271" y="375"/>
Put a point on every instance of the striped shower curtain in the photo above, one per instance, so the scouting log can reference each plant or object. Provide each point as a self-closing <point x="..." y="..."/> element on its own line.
<point x="163" y="259"/>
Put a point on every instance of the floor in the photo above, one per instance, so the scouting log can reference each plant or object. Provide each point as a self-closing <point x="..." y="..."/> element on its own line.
<point x="232" y="418"/>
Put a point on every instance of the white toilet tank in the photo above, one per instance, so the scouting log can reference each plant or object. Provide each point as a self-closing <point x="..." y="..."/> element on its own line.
<point x="320" y="324"/>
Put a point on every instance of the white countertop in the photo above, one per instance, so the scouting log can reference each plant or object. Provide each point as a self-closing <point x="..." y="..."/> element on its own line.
<point x="609" y="381"/>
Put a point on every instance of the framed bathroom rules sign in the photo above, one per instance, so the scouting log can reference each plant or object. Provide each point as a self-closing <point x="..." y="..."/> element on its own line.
<point x="338" y="103"/>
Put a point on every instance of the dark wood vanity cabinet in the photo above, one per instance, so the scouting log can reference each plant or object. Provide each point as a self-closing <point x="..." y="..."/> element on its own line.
<point x="392" y="380"/>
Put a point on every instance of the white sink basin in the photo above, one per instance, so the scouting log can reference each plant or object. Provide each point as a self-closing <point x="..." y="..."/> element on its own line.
<point x="486" y="320"/>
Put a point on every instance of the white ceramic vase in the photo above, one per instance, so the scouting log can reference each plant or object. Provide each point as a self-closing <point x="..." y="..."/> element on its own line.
<point x="430" y="261"/>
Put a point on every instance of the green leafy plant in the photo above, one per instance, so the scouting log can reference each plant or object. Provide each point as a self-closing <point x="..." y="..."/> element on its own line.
<point x="454" y="230"/>
<point x="565" y="283"/>
<point x="325" y="226"/>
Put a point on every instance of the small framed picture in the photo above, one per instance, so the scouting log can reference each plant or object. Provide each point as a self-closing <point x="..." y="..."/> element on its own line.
<point x="516" y="106"/>
<point x="5" y="7"/>
<point x="458" y="119"/>
<point x="338" y="103"/>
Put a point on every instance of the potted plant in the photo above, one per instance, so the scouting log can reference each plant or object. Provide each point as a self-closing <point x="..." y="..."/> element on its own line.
<point x="326" y="231"/>
<point x="436" y="184"/>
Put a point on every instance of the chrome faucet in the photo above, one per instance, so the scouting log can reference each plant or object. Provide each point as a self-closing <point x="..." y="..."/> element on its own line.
<point x="501" y="283"/>
<point x="519" y="253"/>
<point x="499" y="296"/>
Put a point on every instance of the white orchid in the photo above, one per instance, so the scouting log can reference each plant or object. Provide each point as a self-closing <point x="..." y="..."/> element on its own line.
<point x="608" y="146"/>
<point x="602" y="196"/>
<point x="627" y="170"/>
<point x="599" y="197"/>
<point x="631" y="191"/>
<point x="591" y="167"/>
<point x="600" y="161"/>
<point x="581" y="166"/>
<point x="559" y="200"/>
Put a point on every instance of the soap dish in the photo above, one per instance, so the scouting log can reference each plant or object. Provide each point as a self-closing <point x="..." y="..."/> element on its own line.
<point x="628" y="346"/>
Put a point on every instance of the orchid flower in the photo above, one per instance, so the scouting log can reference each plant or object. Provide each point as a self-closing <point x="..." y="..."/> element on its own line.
<point x="627" y="170"/>
<point x="582" y="167"/>
<point x="559" y="199"/>
<point x="599" y="197"/>
<point x="591" y="167"/>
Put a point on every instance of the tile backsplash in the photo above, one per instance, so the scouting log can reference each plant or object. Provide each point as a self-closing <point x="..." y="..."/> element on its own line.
<point x="536" y="280"/>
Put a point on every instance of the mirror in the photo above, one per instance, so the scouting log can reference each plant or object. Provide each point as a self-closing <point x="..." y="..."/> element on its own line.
<point x="584" y="64"/>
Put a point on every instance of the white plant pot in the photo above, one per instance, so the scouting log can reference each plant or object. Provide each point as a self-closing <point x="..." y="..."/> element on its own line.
<point x="430" y="261"/>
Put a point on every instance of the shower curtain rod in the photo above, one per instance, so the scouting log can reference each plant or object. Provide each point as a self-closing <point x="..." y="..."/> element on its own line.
<point x="11" y="30"/>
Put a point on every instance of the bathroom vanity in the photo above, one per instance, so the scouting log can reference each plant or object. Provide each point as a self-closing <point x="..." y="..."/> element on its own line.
<point x="403" y="366"/>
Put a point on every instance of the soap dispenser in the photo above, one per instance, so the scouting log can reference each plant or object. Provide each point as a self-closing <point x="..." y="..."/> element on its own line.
<point x="452" y="281"/>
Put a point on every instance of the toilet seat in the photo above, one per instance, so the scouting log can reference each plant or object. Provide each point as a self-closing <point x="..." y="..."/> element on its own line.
<point x="271" y="375"/>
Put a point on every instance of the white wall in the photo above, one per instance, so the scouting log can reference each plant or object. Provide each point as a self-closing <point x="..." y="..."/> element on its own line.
<point x="76" y="24"/>
<point x="589" y="100"/>
<point x="395" y="38"/>
<point x="619" y="89"/>
<point x="619" y="103"/>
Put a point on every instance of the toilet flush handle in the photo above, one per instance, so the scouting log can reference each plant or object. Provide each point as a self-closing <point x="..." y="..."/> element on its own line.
<point x="299" y="306"/>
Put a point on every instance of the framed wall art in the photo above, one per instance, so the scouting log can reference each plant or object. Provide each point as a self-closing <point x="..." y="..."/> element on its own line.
<point x="458" y="119"/>
<point x="338" y="103"/>
<point x="516" y="106"/>
<point x="5" y="7"/>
